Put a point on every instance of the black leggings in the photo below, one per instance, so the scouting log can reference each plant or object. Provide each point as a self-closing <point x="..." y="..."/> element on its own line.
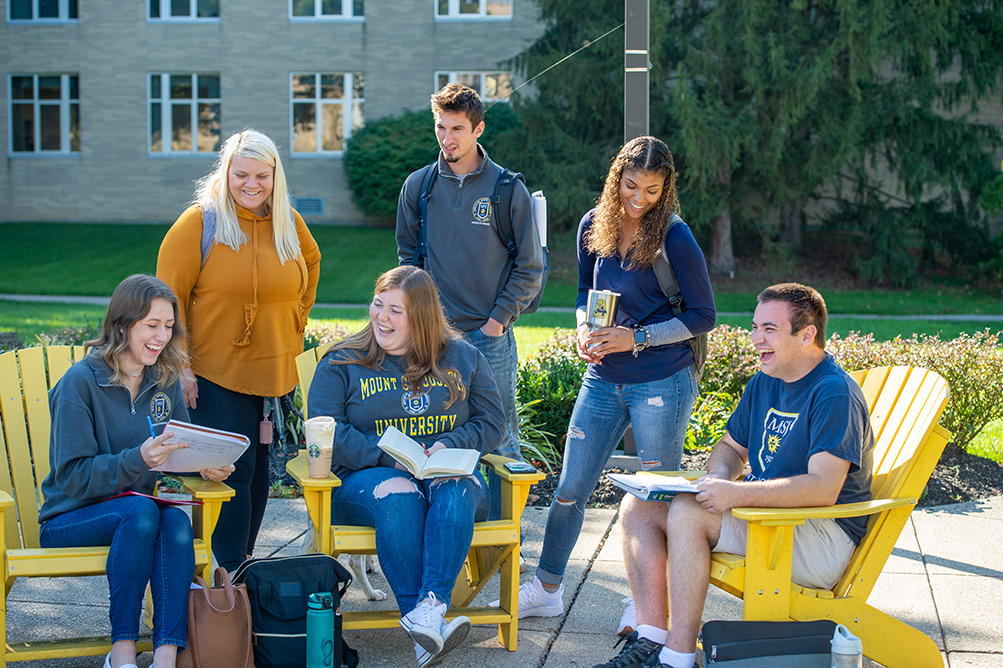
<point x="240" y="518"/>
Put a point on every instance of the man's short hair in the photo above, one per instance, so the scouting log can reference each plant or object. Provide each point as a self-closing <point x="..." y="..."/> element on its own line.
<point x="807" y="307"/>
<point x="457" y="97"/>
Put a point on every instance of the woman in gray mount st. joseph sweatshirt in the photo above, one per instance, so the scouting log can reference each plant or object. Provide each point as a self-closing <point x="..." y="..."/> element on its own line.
<point x="407" y="368"/>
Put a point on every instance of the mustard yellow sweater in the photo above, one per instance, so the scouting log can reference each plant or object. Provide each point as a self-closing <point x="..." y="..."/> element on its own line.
<point x="244" y="311"/>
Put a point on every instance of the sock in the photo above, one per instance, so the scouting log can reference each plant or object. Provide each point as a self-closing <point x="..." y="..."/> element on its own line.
<point x="652" y="633"/>
<point x="538" y="585"/>
<point x="674" y="659"/>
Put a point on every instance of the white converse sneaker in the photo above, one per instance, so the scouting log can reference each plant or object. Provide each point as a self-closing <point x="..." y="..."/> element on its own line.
<point x="423" y="623"/>
<point x="453" y="634"/>
<point x="628" y="621"/>
<point x="535" y="601"/>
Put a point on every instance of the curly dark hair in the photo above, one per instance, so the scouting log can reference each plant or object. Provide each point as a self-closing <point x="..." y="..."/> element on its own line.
<point x="643" y="154"/>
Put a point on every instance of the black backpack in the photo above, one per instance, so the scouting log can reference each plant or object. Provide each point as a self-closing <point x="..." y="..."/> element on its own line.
<point x="670" y="288"/>
<point x="503" y="188"/>
<point x="278" y="589"/>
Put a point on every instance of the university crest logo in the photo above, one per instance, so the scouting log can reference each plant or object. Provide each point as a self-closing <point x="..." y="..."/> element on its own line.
<point x="414" y="404"/>
<point x="775" y="427"/>
<point x="599" y="312"/>
<point x="482" y="210"/>
<point x="160" y="407"/>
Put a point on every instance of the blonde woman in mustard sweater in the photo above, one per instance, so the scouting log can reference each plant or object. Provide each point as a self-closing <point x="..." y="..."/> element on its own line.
<point x="245" y="269"/>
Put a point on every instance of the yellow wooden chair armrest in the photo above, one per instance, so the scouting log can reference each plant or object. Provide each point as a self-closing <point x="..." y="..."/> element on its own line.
<point x="780" y="516"/>
<point x="297" y="468"/>
<point x="204" y="490"/>
<point x="497" y="464"/>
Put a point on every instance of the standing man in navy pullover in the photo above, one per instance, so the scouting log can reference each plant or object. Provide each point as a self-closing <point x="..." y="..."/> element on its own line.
<point x="483" y="289"/>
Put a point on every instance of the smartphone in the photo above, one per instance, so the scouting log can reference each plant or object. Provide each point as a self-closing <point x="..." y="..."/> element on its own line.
<point x="520" y="467"/>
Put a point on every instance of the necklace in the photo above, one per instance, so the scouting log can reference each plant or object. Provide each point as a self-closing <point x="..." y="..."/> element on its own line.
<point x="132" y="375"/>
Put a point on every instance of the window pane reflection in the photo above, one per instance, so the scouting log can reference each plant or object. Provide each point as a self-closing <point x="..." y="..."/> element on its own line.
<point x="155" y="111"/>
<point x="499" y="7"/>
<point x="334" y="130"/>
<point x="209" y="127"/>
<point x="48" y="88"/>
<point x="75" y="128"/>
<point x="181" y="127"/>
<point x="304" y="86"/>
<point x="49" y="119"/>
<point x="332" y="86"/>
<point x="304" y="128"/>
<point x="23" y="127"/>
<point x="181" y="87"/>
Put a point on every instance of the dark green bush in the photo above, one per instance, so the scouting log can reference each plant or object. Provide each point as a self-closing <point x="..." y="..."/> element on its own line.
<point x="68" y="336"/>
<point x="552" y="376"/>
<point x="380" y="156"/>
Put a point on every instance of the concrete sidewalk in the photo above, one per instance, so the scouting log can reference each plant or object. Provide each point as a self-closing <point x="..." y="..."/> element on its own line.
<point x="942" y="578"/>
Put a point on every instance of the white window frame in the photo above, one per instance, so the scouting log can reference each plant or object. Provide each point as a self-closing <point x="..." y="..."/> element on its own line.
<point x="455" y="75"/>
<point x="346" y="16"/>
<point x="64" y="14"/>
<point x="482" y="15"/>
<point x="64" y="104"/>
<point x="165" y="14"/>
<point x="166" y="103"/>
<point x="348" y="103"/>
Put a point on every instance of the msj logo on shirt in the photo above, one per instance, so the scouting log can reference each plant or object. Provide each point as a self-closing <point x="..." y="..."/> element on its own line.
<point x="775" y="427"/>
<point x="481" y="211"/>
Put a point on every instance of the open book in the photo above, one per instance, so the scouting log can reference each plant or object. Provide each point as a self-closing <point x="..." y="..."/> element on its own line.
<point x="207" y="448"/>
<point x="450" y="461"/>
<point x="651" y="486"/>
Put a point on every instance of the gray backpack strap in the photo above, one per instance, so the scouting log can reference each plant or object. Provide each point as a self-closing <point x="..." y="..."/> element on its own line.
<point x="208" y="231"/>
<point x="664" y="273"/>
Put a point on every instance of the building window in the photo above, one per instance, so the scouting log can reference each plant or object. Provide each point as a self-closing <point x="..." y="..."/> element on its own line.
<point x="184" y="113"/>
<point x="45" y="114"/>
<point x="326" y="109"/>
<point x="326" y="9"/>
<point x="473" y="9"/>
<point x="167" y="10"/>
<point x="42" y="11"/>
<point x="491" y="86"/>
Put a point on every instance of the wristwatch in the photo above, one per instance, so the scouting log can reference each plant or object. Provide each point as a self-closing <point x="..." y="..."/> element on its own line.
<point x="640" y="338"/>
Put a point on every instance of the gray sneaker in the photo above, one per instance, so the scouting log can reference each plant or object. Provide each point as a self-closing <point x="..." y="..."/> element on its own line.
<point x="453" y="634"/>
<point x="636" y="653"/>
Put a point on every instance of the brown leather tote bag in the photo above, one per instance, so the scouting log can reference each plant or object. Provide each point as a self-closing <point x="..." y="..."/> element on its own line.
<point x="219" y="626"/>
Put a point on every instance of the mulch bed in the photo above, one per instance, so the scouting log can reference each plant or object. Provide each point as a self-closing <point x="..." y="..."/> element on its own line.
<point x="959" y="477"/>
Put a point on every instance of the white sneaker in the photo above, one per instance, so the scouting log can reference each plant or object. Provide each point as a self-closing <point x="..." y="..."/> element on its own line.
<point x="423" y="624"/>
<point x="535" y="601"/>
<point x="453" y="634"/>
<point x="628" y="621"/>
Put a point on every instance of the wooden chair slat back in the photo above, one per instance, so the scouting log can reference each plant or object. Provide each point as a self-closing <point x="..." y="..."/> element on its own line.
<point x="306" y="366"/>
<point x="905" y="405"/>
<point x="24" y="392"/>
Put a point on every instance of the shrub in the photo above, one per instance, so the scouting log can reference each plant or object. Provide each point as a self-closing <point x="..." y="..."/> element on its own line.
<point x="69" y="336"/>
<point x="323" y="332"/>
<point x="551" y="378"/>
<point x="731" y="361"/>
<point x="709" y="418"/>
<point x="10" y="341"/>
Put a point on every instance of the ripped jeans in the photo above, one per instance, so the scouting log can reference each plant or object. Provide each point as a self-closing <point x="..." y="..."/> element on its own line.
<point x="423" y="527"/>
<point x="658" y="411"/>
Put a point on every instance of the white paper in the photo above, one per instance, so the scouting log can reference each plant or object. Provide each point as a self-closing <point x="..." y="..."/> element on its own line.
<point x="540" y="215"/>
<point x="641" y="482"/>
<point x="207" y="448"/>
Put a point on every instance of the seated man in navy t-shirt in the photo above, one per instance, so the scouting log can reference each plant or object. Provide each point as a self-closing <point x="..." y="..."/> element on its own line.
<point x="803" y="426"/>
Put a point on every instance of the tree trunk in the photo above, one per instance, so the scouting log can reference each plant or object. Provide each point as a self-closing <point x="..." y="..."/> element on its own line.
<point x="792" y="226"/>
<point x="722" y="256"/>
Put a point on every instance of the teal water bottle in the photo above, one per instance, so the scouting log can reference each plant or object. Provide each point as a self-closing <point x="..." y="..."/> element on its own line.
<point x="320" y="631"/>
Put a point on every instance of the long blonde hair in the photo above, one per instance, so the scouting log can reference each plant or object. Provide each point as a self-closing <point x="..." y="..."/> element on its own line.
<point x="212" y="191"/>
<point x="130" y="303"/>
<point x="643" y="154"/>
<point x="430" y="334"/>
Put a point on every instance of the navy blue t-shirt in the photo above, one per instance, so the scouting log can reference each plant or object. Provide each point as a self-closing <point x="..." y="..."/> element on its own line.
<point x="784" y="424"/>
<point x="642" y="302"/>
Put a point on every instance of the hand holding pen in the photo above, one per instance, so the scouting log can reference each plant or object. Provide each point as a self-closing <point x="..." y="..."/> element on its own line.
<point x="154" y="450"/>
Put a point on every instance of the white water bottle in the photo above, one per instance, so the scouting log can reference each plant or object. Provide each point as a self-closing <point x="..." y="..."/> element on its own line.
<point x="847" y="650"/>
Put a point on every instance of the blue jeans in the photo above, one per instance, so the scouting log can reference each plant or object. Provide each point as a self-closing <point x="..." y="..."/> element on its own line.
<point x="503" y="358"/>
<point x="658" y="411"/>
<point x="423" y="527"/>
<point x="148" y="543"/>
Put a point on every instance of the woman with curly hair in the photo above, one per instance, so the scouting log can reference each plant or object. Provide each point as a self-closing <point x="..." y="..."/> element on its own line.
<point x="641" y="371"/>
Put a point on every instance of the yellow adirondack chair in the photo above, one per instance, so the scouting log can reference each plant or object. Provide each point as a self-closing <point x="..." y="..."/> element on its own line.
<point x="905" y="404"/>
<point x="24" y="439"/>
<point x="495" y="544"/>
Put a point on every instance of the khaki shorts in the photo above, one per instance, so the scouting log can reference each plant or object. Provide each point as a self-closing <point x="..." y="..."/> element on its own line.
<point x="821" y="549"/>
